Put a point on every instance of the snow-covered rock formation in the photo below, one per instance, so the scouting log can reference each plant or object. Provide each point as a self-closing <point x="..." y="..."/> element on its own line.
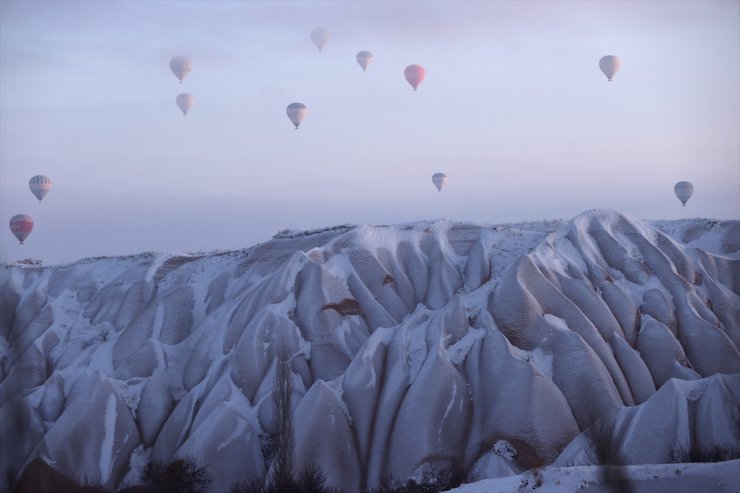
<point x="413" y="346"/>
<point x="705" y="421"/>
<point x="681" y="440"/>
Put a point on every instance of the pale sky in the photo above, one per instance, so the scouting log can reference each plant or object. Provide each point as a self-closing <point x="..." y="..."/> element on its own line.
<point x="514" y="109"/>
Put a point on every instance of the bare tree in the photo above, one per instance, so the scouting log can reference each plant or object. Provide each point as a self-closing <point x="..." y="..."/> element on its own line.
<point x="604" y="452"/>
<point x="282" y="474"/>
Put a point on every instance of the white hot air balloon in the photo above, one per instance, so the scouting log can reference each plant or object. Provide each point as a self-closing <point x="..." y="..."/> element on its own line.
<point x="610" y="65"/>
<point x="181" y="67"/>
<point x="320" y="36"/>
<point x="185" y="102"/>
<point x="439" y="180"/>
<point x="40" y="186"/>
<point x="683" y="190"/>
<point x="296" y="112"/>
<point x="364" y="58"/>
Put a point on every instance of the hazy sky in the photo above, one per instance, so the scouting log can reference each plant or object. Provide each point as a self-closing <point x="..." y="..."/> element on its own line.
<point x="513" y="108"/>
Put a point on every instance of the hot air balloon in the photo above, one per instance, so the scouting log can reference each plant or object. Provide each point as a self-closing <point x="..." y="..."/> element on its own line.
<point x="439" y="180"/>
<point x="21" y="226"/>
<point x="684" y="190"/>
<point x="414" y="75"/>
<point x="296" y="112"/>
<point x="364" y="58"/>
<point x="185" y="102"/>
<point x="181" y="67"/>
<point x="40" y="186"/>
<point x="320" y="37"/>
<point x="610" y="65"/>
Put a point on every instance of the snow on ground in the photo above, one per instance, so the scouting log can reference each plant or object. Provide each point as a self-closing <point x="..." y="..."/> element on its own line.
<point x="711" y="235"/>
<point x="722" y="477"/>
<point x="428" y="344"/>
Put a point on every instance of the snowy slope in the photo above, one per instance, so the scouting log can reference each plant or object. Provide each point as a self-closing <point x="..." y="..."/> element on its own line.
<point x="680" y="423"/>
<point x="413" y="346"/>
<point x="652" y="447"/>
<point x="704" y="420"/>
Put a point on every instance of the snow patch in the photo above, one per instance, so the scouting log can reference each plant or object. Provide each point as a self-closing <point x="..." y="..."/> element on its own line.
<point x="106" y="447"/>
<point x="556" y="322"/>
<point x="130" y="392"/>
<point x="505" y="450"/>
<point x="138" y="461"/>
<point x="459" y="351"/>
<point x="542" y="361"/>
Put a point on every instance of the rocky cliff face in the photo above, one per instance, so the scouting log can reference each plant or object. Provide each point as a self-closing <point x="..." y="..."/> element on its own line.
<point x="412" y="346"/>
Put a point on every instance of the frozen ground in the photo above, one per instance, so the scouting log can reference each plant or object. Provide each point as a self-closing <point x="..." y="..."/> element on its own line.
<point x="414" y="346"/>
<point x="651" y="478"/>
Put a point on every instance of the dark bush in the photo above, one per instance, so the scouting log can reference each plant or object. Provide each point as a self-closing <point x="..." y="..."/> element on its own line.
<point x="602" y="450"/>
<point x="431" y="482"/>
<point x="716" y="453"/>
<point x="139" y="488"/>
<point x="254" y="486"/>
<point x="30" y="261"/>
<point x="179" y="476"/>
<point x="310" y="480"/>
<point x="40" y="477"/>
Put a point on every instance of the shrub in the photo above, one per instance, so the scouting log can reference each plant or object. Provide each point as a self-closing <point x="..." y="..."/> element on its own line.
<point x="40" y="477"/>
<point x="602" y="449"/>
<point x="179" y="476"/>
<point x="310" y="480"/>
<point x="30" y="261"/>
<point x="715" y="453"/>
<point x="431" y="482"/>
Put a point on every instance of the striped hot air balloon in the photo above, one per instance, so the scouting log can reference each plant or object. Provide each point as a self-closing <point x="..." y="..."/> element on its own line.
<point x="21" y="226"/>
<point x="181" y="67"/>
<point x="683" y="190"/>
<point x="40" y="186"/>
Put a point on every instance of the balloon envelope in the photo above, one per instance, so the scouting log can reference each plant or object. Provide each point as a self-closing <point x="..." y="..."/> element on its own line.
<point x="364" y="58"/>
<point x="21" y="226"/>
<point x="185" y="102"/>
<point x="683" y="190"/>
<point x="181" y="67"/>
<point x="40" y="186"/>
<point x="439" y="180"/>
<point x="414" y="75"/>
<point x="296" y="112"/>
<point x="610" y="65"/>
<point x="320" y="36"/>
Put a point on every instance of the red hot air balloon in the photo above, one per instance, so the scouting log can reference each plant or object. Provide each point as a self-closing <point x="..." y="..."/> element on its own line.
<point x="414" y="75"/>
<point x="21" y="226"/>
